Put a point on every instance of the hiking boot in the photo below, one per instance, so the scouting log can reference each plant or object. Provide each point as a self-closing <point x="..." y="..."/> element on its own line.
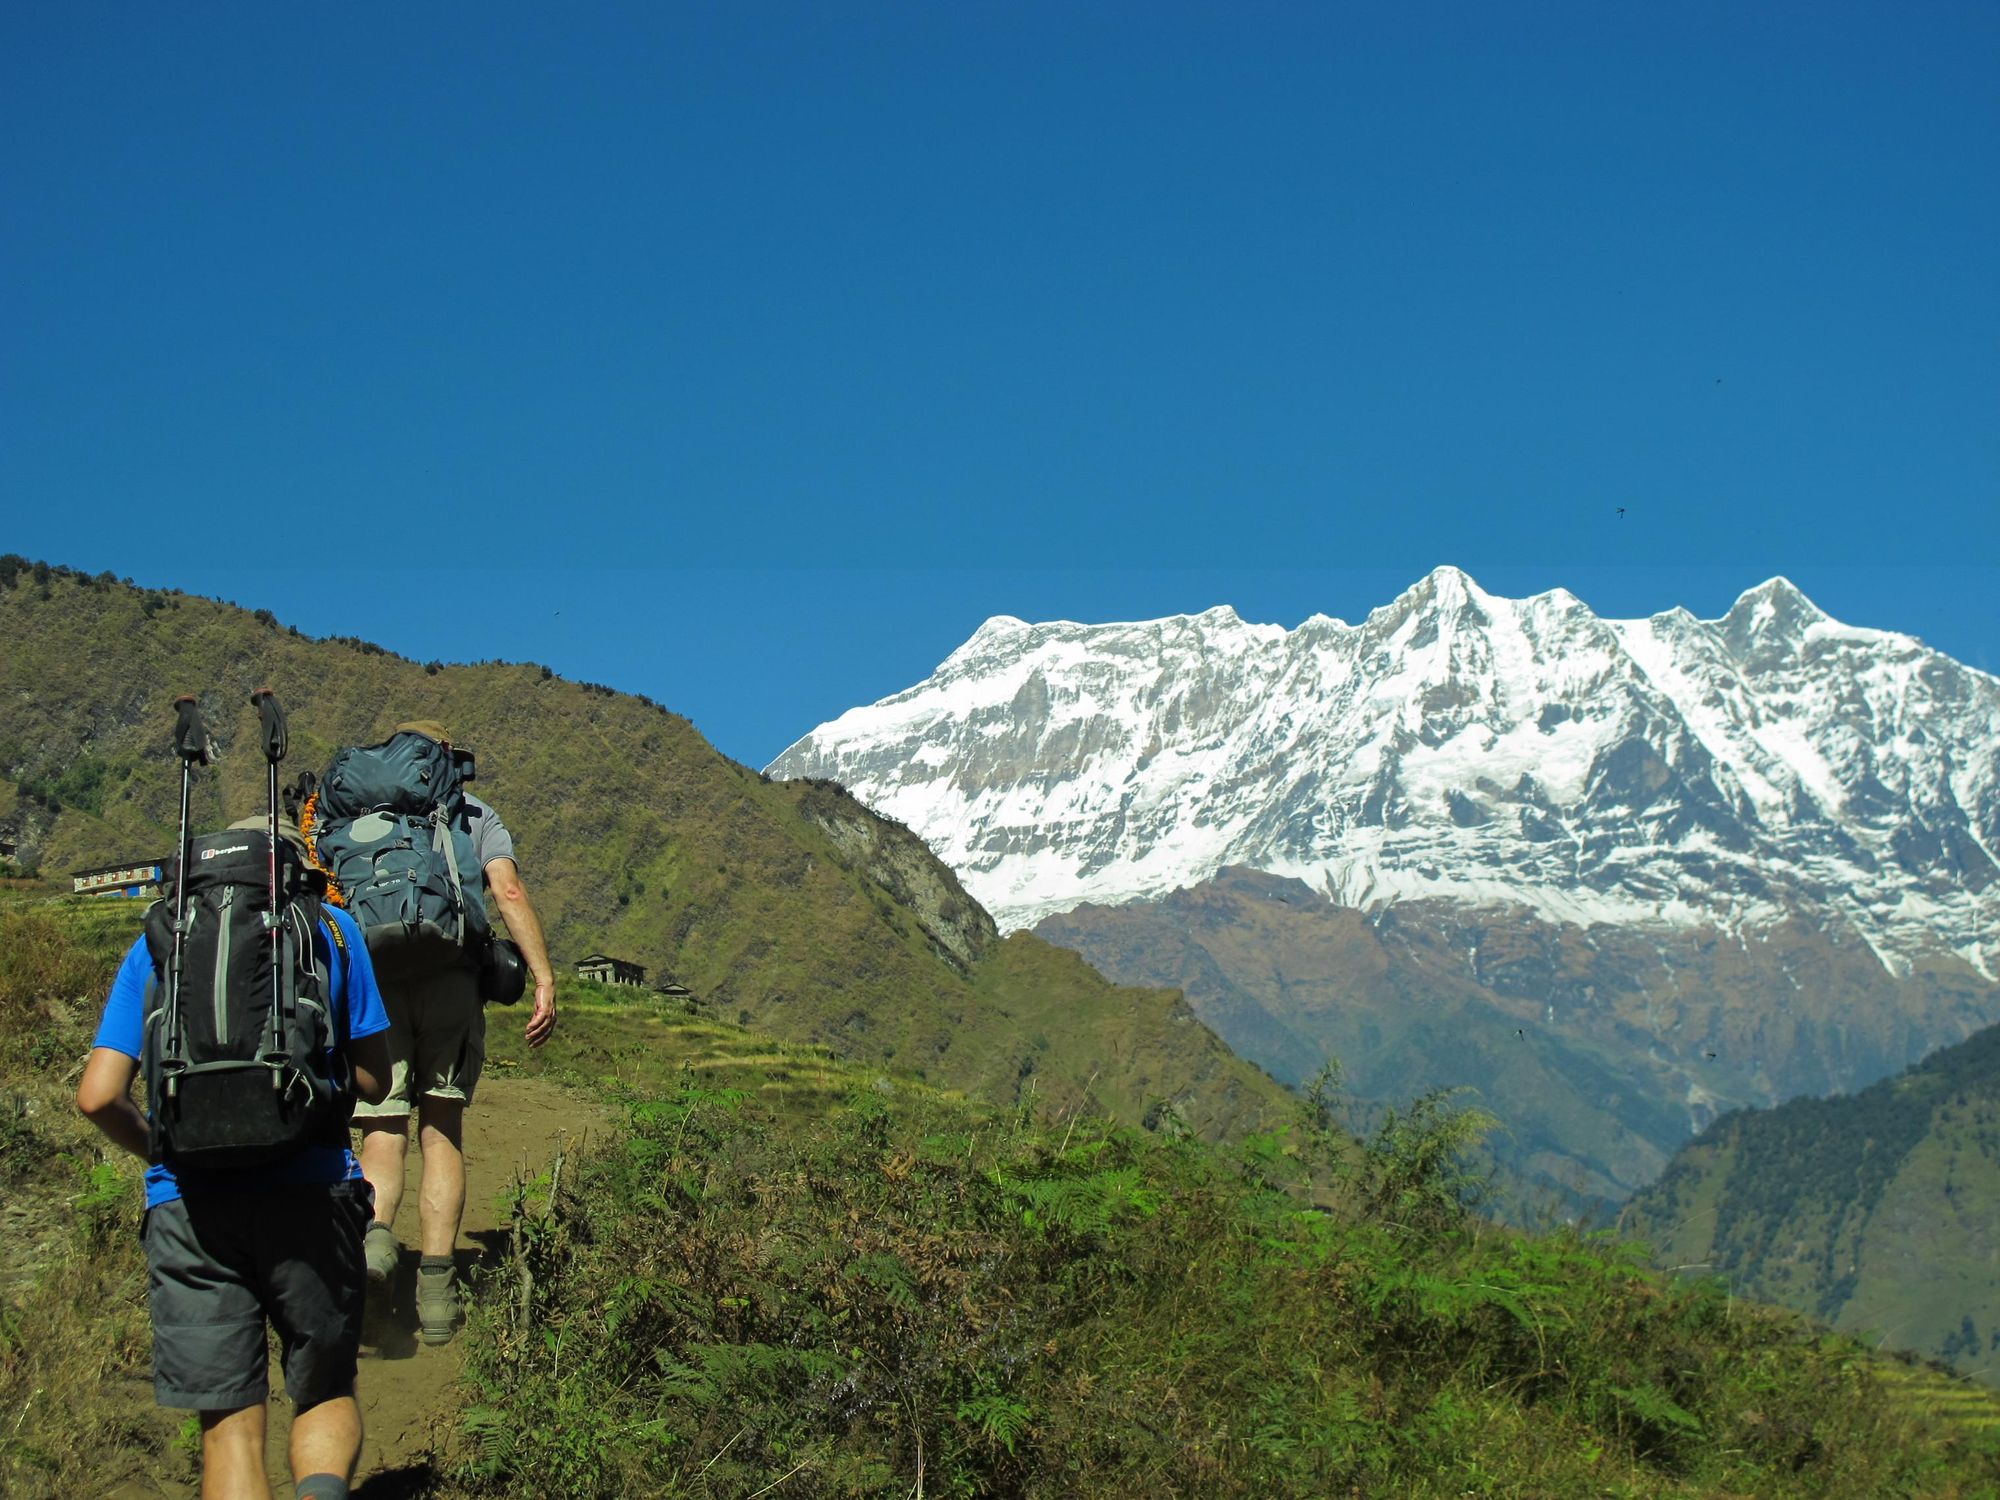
<point x="437" y="1303"/>
<point x="380" y="1250"/>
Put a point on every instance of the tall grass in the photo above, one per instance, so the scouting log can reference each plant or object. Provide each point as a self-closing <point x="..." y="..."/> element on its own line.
<point x="76" y="1411"/>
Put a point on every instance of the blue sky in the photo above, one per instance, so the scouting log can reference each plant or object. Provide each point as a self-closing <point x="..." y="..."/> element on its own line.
<point x="749" y="356"/>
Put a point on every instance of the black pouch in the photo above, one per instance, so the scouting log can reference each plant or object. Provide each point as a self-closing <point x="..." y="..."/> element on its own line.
<point x="503" y="973"/>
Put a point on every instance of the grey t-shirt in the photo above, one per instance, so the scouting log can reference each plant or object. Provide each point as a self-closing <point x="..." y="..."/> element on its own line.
<point x="490" y="838"/>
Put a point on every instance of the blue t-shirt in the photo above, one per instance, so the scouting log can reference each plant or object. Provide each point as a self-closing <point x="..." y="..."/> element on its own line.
<point x="356" y="1008"/>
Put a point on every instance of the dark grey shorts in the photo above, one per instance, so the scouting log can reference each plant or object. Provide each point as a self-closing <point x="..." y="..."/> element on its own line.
<point x="221" y="1263"/>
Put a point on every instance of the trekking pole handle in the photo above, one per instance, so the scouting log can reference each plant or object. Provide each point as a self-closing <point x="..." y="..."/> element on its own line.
<point x="192" y="741"/>
<point x="272" y="714"/>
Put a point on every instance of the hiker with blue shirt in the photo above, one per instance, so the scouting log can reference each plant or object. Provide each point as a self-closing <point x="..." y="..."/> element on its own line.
<point x="279" y="1239"/>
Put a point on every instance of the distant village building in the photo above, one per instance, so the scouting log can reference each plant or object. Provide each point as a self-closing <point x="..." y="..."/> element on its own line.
<point x="134" y="878"/>
<point x="608" y="970"/>
<point x="677" y="992"/>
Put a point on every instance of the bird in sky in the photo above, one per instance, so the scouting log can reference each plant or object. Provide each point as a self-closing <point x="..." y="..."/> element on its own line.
<point x="1621" y="510"/>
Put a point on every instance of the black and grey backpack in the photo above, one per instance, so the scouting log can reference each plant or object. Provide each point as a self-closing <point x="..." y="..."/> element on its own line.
<point x="237" y="1061"/>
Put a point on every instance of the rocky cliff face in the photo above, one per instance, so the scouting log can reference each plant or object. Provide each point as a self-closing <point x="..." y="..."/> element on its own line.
<point x="1768" y="766"/>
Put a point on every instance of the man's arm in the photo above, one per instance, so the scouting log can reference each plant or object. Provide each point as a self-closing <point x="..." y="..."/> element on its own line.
<point x="369" y="1058"/>
<point x="105" y="1097"/>
<point x="504" y="881"/>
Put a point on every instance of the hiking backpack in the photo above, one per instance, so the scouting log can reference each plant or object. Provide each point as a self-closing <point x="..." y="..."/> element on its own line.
<point x="237" y="1064"/>
<point x="389" y="825"/>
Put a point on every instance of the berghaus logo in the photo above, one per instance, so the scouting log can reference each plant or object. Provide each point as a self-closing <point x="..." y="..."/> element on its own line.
<point x="232" y="849"/>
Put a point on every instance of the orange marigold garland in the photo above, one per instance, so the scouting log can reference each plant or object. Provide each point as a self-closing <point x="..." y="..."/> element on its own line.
<point x="308" y="829"/>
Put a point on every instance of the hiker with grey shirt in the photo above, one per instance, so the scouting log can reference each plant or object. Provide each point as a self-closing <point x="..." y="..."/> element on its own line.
<point x="437" y="1043"/>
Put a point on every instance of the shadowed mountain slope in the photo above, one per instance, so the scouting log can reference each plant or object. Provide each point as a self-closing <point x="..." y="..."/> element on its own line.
<point x="1878" y="1212"/>
<point x="1601" y="1050"/>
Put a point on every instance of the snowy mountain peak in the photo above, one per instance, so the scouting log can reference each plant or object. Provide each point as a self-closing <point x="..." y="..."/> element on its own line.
<point x="1773" y="607"/>
<point x="1461" y="745"/>
<point x="1446" y="591"/>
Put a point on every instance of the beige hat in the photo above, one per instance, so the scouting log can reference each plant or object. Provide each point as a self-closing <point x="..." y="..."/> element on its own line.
<point x="429" y="728"/>
<point x="287" y="829"/>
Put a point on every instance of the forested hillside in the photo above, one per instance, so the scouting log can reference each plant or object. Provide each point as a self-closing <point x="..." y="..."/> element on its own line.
<point x="785" y="905"/>
<point x="1877" y="1212"/>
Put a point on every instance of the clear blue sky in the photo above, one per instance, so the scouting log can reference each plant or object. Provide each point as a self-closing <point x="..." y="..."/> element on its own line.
<point x="748" y="356"/>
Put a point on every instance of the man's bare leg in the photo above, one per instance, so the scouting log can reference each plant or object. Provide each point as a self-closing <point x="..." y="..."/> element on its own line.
<point x="440" y="1131"/>
<point x="232" y="1455"/>
<point x="326" y="1439"/>
<point x="441" y="1135"/>
<point x="384" y="1143"/>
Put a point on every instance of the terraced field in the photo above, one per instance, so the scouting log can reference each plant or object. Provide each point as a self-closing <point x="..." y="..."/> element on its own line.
<point x="1939" y="1393"/>
<point x="620" y="1037"/>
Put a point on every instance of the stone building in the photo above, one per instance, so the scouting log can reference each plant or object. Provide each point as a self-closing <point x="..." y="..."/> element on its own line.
<point x="608" y="970"/>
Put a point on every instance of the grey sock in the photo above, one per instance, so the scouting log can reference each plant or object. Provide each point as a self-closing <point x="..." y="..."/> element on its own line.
<point x="435" y="1263"/>
<point x="321" y="1487"/>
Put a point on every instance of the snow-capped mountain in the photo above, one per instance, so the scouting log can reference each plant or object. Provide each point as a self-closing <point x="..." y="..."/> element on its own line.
<point x="1773" y="763"/>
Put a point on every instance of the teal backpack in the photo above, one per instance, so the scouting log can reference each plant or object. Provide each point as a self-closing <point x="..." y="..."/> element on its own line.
<point x="390" y="827"/>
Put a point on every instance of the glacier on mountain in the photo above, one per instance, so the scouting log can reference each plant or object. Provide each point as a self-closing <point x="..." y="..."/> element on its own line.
<point x="1456" y="744"/>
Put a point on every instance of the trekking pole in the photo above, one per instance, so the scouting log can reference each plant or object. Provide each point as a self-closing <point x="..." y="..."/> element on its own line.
<point x="271" y="715"/>
<point x="193" y="745"/>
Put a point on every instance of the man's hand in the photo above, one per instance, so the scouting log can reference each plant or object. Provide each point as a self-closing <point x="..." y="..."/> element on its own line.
<point x="542" y="1024"/>
<point x="503" y="879"/>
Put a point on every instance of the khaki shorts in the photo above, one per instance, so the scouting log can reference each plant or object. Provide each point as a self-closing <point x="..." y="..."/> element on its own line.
<point x="437" y="1041"/>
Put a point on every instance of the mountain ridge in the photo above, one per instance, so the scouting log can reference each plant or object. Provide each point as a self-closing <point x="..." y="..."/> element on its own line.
<point x="1667" y="771"/>
<point x="1621" y="875"/>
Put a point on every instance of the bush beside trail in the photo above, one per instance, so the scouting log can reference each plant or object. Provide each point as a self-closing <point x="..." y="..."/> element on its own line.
<point x="910" y="1297"/>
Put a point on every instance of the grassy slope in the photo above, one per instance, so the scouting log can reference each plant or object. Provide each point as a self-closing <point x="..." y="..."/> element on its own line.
<point x="1878" y="1211"/>
<point x="784" y="904"/>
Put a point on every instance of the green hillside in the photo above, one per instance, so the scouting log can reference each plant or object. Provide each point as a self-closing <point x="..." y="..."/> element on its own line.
<point x="1878" y="1212"/>
<point x="788" y="906"/>
<point x="792" y="1273"/>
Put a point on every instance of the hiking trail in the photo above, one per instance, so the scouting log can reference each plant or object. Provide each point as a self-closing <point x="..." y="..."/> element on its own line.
<point x="408" y="1389"/>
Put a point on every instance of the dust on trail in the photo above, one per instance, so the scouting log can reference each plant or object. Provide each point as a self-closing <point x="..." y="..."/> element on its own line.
<point x="408" y="1389"/>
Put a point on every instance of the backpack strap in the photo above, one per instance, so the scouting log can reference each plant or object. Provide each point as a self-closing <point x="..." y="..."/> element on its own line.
<point x="320" y="973"/>
<point x="286" y="955"/>
<point x="160" y="939"/>
<point x="447" y="845"/>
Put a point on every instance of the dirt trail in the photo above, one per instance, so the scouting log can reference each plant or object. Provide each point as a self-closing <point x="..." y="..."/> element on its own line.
<point x="408" y="1389"/>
